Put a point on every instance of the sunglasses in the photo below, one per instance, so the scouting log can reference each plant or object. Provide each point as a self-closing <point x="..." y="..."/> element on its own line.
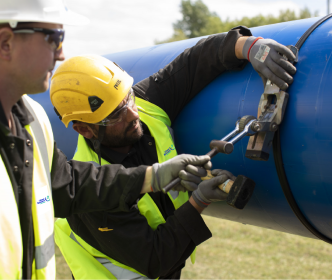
<point x="53" y="36"/>
<point x="119" y="114"/>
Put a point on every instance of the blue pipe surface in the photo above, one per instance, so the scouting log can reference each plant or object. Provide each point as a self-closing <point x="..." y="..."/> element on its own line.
<point x="306" y="139"/>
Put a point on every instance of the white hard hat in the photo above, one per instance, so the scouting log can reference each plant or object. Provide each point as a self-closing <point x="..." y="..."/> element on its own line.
<point x="48" y="11"/>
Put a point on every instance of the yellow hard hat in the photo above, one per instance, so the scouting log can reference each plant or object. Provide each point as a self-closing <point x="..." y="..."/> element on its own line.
<point x="88" y="88"/>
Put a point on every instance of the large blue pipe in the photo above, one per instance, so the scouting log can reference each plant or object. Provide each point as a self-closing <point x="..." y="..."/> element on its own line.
<point x="305" y="134"/>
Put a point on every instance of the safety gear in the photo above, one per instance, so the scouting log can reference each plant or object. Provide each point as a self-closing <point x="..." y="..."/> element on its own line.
<point x="88" y="88"/>
<point x="119" y="113"/>
<point x="208" y="191"/>
<point x="164" y="173"/>
<point x="54" y="37"/>
<point x="85" y="261"/>
<point x="48" y="11"/>
<point x="11" y="251"/>
<point x="266" y="57"/>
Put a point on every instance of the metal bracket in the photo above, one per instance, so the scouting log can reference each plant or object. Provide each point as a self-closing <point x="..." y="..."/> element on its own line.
<point x="271" y="110"/>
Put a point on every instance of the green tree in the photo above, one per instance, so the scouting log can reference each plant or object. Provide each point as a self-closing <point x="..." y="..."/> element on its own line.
<point x="197" y="21"/>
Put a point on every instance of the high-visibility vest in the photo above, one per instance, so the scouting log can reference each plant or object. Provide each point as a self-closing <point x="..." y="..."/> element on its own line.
<point x="87" y="262"/>
<point x="11" y="250"/>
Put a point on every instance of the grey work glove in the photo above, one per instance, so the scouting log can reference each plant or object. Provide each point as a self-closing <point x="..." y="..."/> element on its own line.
<point x="208" y="191"/>
<point x="266" y="57"/>
<point x="187" y="167"/>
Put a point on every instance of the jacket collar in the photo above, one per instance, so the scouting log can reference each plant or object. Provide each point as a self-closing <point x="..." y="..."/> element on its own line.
<point x="20" y="111"/>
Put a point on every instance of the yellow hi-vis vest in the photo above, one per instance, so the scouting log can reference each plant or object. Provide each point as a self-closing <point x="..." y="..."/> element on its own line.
<point x="11" y="251"/>
<point x="85" y="261"/>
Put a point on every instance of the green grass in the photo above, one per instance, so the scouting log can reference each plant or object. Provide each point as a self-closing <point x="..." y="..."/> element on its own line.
<point x="238" y="251"/>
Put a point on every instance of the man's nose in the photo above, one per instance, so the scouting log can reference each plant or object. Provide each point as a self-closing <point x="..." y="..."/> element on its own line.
<point x="59" y="55"/>
<point x="132" y="114"/>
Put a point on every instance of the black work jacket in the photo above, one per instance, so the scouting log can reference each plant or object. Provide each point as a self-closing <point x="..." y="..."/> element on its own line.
<point x="76" y="186"/>
<point x="163" y="252"/>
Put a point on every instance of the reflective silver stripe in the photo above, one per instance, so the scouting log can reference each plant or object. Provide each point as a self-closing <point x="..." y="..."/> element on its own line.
<point x="118" y="272"/>
<point x="174" y="194"/>
<point x="40" y="139"/>
<point x="44" y="253"/>
<point x="94" y="163"/>
<point x="171" y="131"/>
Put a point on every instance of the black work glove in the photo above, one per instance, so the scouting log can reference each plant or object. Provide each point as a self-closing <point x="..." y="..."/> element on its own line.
<point x="266" y="57"/>
<point x="208" y="191"/>
<point x="187" y="167"/>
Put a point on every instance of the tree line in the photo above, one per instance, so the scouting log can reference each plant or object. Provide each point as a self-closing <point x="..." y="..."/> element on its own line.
<point x="197" y="20"/>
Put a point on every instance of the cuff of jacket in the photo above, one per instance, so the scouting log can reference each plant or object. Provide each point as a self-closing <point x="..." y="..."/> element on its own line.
<point x="227" y="51"/>
<point x="193" y="223"/>
<point x="133" y="187"/>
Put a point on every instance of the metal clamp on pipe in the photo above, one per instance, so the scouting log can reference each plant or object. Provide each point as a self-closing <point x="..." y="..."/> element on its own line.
<point x="271" y="110"/>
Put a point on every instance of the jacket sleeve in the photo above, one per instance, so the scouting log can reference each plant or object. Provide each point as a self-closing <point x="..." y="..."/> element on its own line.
<point x="154" y="253"/>
<point x="173" y="86"/>
<point x="79" y="187"/>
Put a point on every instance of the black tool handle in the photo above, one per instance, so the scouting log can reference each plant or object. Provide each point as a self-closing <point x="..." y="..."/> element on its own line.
<point x="172" y="184"/>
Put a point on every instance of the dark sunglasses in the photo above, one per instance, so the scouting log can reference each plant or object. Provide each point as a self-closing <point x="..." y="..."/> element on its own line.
<point x="53" y="36"/>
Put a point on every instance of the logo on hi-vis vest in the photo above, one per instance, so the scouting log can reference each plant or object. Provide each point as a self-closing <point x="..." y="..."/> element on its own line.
<point x="171" y="148"/>
<point x="43" y="200"/>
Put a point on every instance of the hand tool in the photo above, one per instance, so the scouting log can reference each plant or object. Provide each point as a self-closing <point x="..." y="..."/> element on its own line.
<point x="243" y="127"/>
<point x="239" y="191"/>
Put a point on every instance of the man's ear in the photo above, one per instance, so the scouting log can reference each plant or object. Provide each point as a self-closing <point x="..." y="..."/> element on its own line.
<point x="6" y="43"/>
<point x="84" y="129"/>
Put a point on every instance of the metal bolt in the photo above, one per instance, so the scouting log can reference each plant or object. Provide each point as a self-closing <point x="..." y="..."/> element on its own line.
<point x="274" y="127"/>
<point x="28" y="142"/>
<point x="27" y="163"/>
<point x="256" y="126"/>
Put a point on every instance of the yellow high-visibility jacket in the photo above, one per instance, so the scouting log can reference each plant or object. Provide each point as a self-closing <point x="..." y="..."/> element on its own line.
<point x="11" y="250"/>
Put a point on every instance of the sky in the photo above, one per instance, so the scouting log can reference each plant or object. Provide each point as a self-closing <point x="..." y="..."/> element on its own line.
<point x="120" y="25"/>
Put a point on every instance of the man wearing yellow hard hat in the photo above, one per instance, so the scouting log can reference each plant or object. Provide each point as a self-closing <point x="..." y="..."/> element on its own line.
<point x="119" y="123"/>
<point x="37" y="182"/>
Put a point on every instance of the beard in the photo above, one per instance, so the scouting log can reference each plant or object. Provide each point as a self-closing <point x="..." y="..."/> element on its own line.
<point x="126" y="139"/>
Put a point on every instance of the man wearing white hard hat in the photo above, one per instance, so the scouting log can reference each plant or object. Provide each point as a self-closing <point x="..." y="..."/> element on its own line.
<point x="37" y="182"/>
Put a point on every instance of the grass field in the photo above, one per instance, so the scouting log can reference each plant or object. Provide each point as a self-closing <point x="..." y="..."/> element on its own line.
<point x="238" y="251"/>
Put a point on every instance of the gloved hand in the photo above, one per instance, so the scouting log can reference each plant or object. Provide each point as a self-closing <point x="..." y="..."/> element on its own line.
<point x="266" y="57"/>
<point x="187" y="167"/>
<point x="208" y="191"/>
<point x="218" y="172"/>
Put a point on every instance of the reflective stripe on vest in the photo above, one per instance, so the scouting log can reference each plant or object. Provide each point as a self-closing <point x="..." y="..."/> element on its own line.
<point x="118" y="272"/>
<point x="11" y="248"/>
<point x="159" y="125"/>
<point x="87" y="262"/>
<point x="42" y="204"/>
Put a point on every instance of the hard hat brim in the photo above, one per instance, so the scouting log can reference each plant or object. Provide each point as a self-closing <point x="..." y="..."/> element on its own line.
<point x="66" y="17"/>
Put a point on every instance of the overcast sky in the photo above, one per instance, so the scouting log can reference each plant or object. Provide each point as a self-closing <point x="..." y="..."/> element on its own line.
<point x="119" y="25"/>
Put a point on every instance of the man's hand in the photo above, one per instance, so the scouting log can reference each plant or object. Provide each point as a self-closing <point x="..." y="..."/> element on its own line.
<point x="266" y="57"/>
<point x="208" y="191"/>
<point x="187" y="167"/>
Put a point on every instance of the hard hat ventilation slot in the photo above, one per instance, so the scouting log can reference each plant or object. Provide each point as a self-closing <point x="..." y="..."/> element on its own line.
<point x="58" y="114"/>
<point x="95" y="102"/>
